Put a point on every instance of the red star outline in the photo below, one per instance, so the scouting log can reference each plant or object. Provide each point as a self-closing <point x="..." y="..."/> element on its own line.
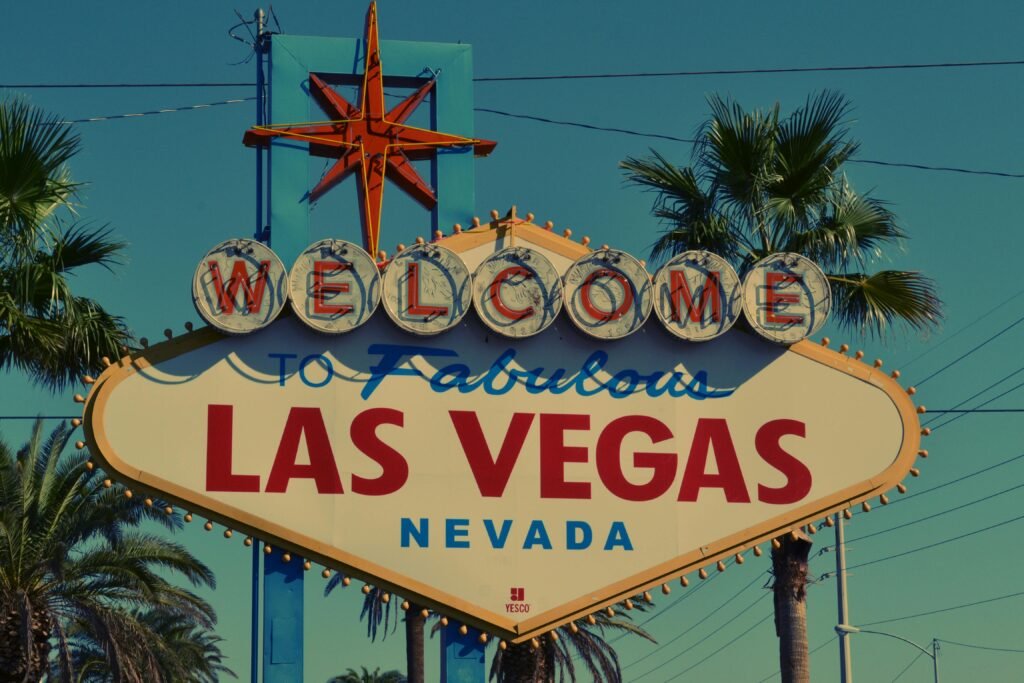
<point x="379" y="143"/>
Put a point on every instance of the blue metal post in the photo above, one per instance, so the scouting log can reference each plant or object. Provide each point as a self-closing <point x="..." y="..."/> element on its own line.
<point x="282" y="619"/>
<point x="462" y="656"/>
<point x="254" y="643"/>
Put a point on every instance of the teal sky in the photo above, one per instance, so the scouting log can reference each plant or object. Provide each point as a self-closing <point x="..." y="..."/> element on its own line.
<point x="175" y="184"/>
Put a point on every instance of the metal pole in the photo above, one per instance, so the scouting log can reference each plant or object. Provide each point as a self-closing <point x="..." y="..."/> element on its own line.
<point x="254" y="644"/>
<point x="845" y="661"/>
<point x="935" y="658"/>
<point x="259" y="17"/>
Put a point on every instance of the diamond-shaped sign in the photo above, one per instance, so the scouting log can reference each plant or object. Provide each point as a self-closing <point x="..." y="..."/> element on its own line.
<point x="514" y="483"/>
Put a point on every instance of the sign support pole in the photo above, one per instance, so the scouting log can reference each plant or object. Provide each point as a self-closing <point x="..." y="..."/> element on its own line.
<point x="845" y="661"/>
<point x="462" y="656"/>
<point x="282" y="581"/>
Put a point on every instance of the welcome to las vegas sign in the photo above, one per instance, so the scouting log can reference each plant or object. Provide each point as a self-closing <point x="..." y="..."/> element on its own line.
<point x="493" y="426"/>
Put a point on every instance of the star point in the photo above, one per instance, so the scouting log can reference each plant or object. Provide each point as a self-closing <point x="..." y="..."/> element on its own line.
<point x="367" y="138"/>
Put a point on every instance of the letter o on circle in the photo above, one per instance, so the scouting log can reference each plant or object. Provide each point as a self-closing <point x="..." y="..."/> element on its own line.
<point x="608" y="294"/>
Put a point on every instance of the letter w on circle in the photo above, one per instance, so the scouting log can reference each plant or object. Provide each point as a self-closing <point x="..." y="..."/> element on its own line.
<point x="491" y="474"/>
<point x="240" y="278"/>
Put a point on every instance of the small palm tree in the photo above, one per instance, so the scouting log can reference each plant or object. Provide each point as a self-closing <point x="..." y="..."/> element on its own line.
<point x="367" y="676"/>
<point x="560" y="652"/>
<point x="761" y="184"/>
<point x="45" y="329"/>
<point x="185" y="651"/>
<point x="76" y="574"/>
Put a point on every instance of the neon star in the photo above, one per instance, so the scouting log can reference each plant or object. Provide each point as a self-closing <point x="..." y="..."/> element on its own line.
<point x="377" y="143"/>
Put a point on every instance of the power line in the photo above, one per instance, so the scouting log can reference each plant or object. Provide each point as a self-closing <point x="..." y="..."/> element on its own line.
<point x="498" y="112"/>
<point x="981" y="405"/>
<point x="554" y="77"/>
<point x="38" y="417"/>
<point x="694" y="666"/>
<point x="957" y="480"/>
<point x="936" y="544"/>
<point x="979" y="647"/>
<point x="745" y="72"/>
<point x="673" y="138"/>
<point x="933" y="516"/>
<point x="962" y="329"/>
<point x="907" y="668"/>
<point x="89" y="86"/>
<point x="944" y="609"/>
<point x="586" y="126"/>
<point x="674" y="603"/>
<point x="980" y="410"/>
<point x="971" y="351"/>
<point x="696" y="622"/>
<point x="977" y="394"/>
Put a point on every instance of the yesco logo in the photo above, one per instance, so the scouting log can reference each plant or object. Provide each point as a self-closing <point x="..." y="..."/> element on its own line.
<point x="334" y="287"/>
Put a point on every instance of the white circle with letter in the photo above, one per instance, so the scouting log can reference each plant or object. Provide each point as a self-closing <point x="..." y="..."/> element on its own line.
<point x="697" y="295"/>
<point x="608" y="294"/>
<point x="786" y="297"/>
<point x="335" y="286"/>
<point x="240" y="286"/>
<point x="427" y="289"/>
<point x="517" y="292"/>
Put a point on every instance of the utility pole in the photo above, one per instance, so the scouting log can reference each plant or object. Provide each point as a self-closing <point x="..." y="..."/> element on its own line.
<point x="254" y="641"/>
<point x="935" y="658"/>
<point x="845" y="662"/>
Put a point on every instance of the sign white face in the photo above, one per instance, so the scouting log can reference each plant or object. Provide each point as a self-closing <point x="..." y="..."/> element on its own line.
<point x="240" y="286"/>
<point x="427" y="289"/>
<point x="517" y="292"/>
<point x="786" y="297"/>
<point x="559" y="469"/>
<point x="608" y="294"/>
<point x="697" y="296"/>
<point x="335" y="286"/>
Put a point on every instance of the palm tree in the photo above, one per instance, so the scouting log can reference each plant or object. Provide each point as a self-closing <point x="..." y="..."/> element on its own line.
<point x="367" y="676"/>
<point x="380" y="611"/>
<point x="186" y="652"/>
<point x="761" y="184"/>
<point x="45" y="329"/>
<point x="559" y="652"/>
<point x="78" y="576"/>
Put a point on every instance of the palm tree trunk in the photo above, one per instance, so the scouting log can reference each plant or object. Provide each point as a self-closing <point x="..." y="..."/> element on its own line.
<point x="414" y="621"/>
<point x="789" y="565"/>
<point x="523" y="664"/>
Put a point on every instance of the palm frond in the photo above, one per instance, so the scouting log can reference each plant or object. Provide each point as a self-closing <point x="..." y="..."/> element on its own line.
<point x="874" y="304"/>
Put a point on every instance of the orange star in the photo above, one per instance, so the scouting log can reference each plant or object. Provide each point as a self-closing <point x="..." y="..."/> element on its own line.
<point x="376" y="142"/>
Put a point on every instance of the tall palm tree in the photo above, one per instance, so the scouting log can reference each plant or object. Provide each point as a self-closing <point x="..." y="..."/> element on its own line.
<point x="380" y="611"/>
<point x="581" y="642"/>
<point x="45" y="329"/>
<point x="761" y="184"/>
<point x="76" y="572"/>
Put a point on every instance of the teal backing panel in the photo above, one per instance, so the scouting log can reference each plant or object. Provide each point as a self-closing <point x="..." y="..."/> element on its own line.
<point x="462" y="656"/>
<point x="292" y="58"/>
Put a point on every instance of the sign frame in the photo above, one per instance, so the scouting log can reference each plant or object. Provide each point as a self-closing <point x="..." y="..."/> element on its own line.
<point x="513" y="631"/>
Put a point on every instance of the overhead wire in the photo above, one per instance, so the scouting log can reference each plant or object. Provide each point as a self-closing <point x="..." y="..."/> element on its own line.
<point x="963" y="328"/>
<point x="696" y="623"/>
<point x="907" y="667"/>
<point x="935" y="544"/>
<point x="724" y="647"/>
<point x="750" y="71"/>
<point x="971" y="351"/>
<point x="980" y="647"/>
<point x="943" y="610"/>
